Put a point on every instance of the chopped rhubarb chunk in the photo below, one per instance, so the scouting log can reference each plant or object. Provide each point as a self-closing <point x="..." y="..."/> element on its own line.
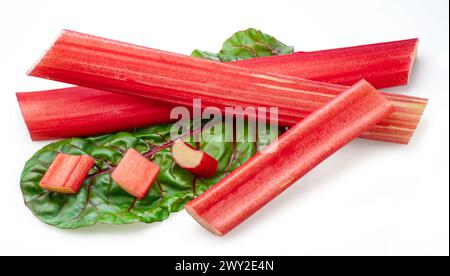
<point x="135" y="174"/>
<point x="67" y="173"/>
<point x="196" y="161"/>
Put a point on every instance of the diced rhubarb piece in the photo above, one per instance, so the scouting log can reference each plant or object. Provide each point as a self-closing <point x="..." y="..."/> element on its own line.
<point x="67" y="173"/>
<point x="144" y="72"/>
<point x="303" y="147"/>
<point x="135" y="174"/>
<point x="79" y="112"/>
<point x="196" y="161"/>
<point x="384" y="64"/>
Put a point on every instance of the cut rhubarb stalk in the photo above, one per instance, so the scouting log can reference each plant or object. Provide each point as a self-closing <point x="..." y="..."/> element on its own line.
<point x="125" y="68"/>
<point x="384" y="65"/>
<point x="79" y="111"/>
<point x="196" y="161"/>
<point x="303" y="147"/>
<point x="67" y="173"/>
<point x="135" y="174"/>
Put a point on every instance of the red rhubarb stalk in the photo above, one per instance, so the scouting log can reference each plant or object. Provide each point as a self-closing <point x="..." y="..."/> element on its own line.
<point x="135" y="174"/>
<point x="79" y="112"/>
<point x="303" y="147"/>
<point x="196" y="161"/>
<point x="74" y="112"/>
<point x="384" y="65"/>
<point x="67" y="173"/>
<point x="125" y="68"/>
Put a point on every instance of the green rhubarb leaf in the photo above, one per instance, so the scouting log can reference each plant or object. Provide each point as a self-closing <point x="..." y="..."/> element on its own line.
<point x="252" y="43"/>
<point x="101" y="200"/>
<point x="247" y="44"/>
<point x="205" y="55"/>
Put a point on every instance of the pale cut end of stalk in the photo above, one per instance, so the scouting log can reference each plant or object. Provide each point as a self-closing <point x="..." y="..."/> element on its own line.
<point x="202" y="221"/>
<point x="44" y="54"/>
<point x="186" y="156"/>
<point x="413" y="60"/>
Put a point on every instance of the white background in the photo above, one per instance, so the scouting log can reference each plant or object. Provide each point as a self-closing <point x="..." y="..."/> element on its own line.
<point x="370" y="198"/>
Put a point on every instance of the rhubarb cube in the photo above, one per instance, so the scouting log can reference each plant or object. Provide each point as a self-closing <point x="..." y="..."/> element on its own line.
<point x="67" y="173"/>
<point x="135" y="174"/>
